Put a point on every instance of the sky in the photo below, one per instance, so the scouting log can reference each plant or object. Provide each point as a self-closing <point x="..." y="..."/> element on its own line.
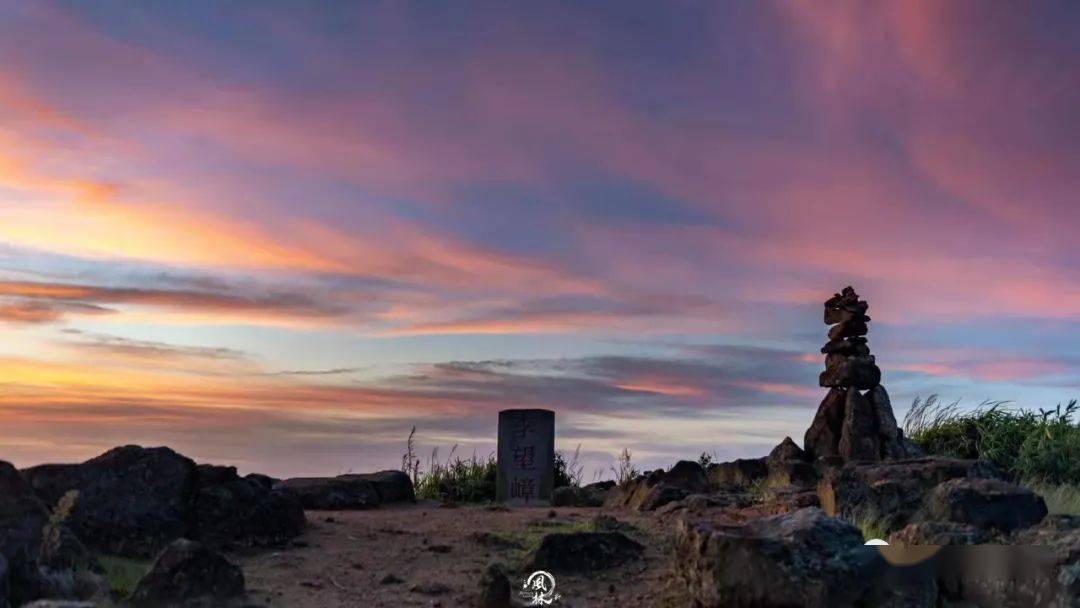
<point x="280" y="235"/>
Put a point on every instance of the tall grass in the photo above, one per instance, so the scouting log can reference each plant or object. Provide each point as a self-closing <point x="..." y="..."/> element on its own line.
<point x="472" y="480"/>
<point x="1039" y="446"/>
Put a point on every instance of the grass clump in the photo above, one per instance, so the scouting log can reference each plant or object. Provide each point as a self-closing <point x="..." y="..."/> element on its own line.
<point x="1062" y="499"/>
<point x="471" y="480"/>
<point x="1040" y="447"/>
<point x="122" y="574"/>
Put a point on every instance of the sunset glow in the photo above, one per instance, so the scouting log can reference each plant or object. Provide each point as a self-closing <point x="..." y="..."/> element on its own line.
<point x="281" y="239"/>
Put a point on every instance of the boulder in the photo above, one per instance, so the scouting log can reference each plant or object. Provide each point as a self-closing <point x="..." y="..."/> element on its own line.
<point x="785" y="451"/>
<point x="331" y="493"/>
<point x="822" y="439"/>
<point x="859" y="434"/>
<point x="22" y="518"/>
<point x="737" y="473"/>
<point x="791" y="473"/>
<point x="132" y="500"/>
<point x="392" y="486"/>
<point x="891" y="493"/>
<point x="578" y="552"/>
<point x="229" y="509"/>
<point x="803" y="558"/>
<point x="655" y="489"/>
<point x="494" y="588"/>
<point x="591" y="495"/>
<point x="185" y="572"/>
<point x="985" y="503"/>
<point x="938" y="533"/>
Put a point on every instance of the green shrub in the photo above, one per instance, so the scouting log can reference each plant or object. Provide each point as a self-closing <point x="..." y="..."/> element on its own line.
<point x="1041" y="446"/>
<point x="568" y="472"/>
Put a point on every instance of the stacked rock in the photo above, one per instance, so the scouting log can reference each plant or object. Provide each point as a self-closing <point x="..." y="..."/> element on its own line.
<point x="850" y="425"/>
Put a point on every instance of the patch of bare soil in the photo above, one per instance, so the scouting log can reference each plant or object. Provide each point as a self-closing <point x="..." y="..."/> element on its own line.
<point x="425" y="555"/>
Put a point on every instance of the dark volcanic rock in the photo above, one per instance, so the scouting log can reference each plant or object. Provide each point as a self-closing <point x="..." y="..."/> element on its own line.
<point x="578" y="552"/>
<point x="737" y="473"/>
<point x="591" y="495"/>
<point x="132" y="500"/>
<point x="938" y="533"/>
<point x="657" y="488"/>
<point x="185" y="571"/>
<point x="985" y="503"/>
<point x="891" y="493"/>
<point x="331" y="493"/>
<point x="494" y="588"/>
<point x="232" y="509"/>
<point x="22" y="518"/>
<point x="803" y="558"/>
<point x="823" y="437"/>
<point x="858" y="371"/>
<point x="392" y="486"/>
<point x="859" y="435"/>
<point x="687" y="475"/>
<point x="786" y="451"/>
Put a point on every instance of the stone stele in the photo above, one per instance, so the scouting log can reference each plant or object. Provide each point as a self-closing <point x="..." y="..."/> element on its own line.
<point x="526" y="457"/>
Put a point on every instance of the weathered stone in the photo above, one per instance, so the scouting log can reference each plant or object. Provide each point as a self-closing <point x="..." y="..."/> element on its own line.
<point x="803" y="558"/>
<point x="392" y="486"/>
<point x="859" y="372"/>
<point x="655" y="489"/>
<point x="232" y="509"/>
<point x="791" y="473"/>
<point x="858" y="437"/>
<point x="526" y="457"/>
<point x="847" y="347"/>
<point x="985" y="503"/>
<point x="591" y="495"/>
<point x="823" y="437"/>
<point x="737" y="473"/>
<point x="578" y="552"/>
<point x="4" y="592"/>
<point x="891" y="493"/>
<point x="187" y="570"/>
<point x="331" y="493"/>
<point x="850" y="328"/>
<point x="132" y="500"/>
<point x="494" y="588"/>
<point x="22" y="518"/>
<point x="786" y="450"/>
<point x="687" y="475"/>
<point x="938" y="533"/>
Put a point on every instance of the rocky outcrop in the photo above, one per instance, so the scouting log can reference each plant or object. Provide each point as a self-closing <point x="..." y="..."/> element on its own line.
<point x="133" y="501"/>
<point x="185" y="573"/>
<point x="655" y="489"/>
<point x="988" y="504"/>
<point x="331" y="493"/>
<point x="739" y="473"/>
<point x="391" y="486"/>
<point x="803" y="558"/>
<point x="229" y="509"/>
<point x="579" y="552"/>
<point x="891" y="493"/>
<point x="850" y="425"/>
<point x="591" y="495"/>
<point x="787" y="465"/>
<point x="22" y="519"/>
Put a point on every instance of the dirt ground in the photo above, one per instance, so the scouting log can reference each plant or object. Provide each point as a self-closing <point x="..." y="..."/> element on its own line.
<point x="355" y="558"/>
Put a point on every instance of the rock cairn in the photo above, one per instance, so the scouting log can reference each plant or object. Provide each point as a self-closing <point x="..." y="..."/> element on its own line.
<point x="855" y="421"/>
